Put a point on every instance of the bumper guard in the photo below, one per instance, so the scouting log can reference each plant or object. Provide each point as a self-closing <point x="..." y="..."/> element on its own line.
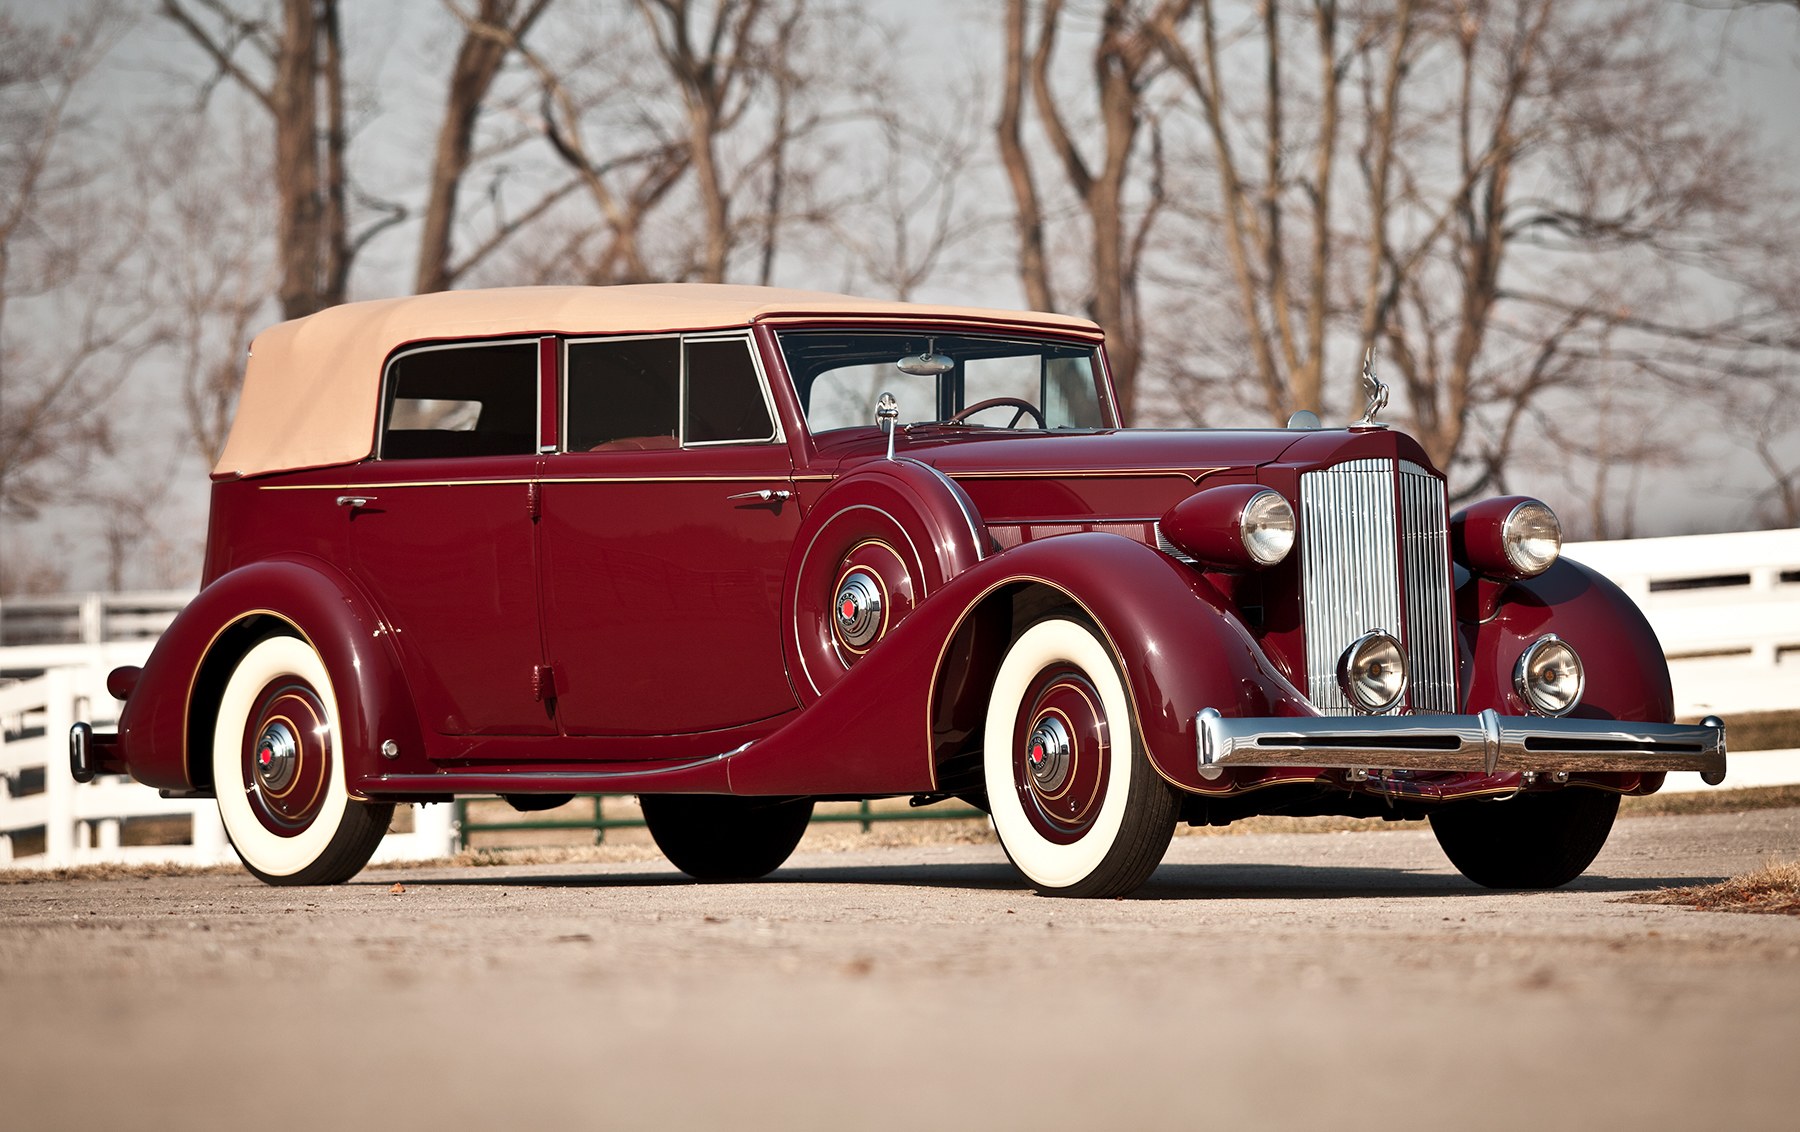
<point x="1489" y="743"/>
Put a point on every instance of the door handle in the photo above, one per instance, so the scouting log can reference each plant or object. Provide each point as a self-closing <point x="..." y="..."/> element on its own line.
<point x="355" y="501"/>
<point x="763" y="496"/>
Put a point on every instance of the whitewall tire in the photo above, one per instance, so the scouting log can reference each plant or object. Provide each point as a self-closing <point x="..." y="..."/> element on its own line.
<point x="1075" y="802"/>
<point x="278" y="771"/>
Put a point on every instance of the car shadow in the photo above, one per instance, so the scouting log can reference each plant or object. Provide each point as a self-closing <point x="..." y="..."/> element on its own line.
<point x="1170" y="881"/>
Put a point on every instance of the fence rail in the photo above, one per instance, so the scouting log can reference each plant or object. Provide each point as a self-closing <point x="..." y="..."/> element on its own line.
<point x="1725" y="607"/>
<point x="83" y="823"/>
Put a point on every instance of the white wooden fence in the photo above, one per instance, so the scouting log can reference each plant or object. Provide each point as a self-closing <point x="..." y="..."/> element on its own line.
<point x="82" y="823"/>
<point x="1725" y="607"/>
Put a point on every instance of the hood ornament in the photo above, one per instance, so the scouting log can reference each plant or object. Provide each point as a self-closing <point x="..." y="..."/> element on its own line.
<point x="1377" y="391"/>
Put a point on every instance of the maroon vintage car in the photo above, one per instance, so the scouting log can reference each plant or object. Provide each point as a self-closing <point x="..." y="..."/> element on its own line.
<point x="735" y="550"/>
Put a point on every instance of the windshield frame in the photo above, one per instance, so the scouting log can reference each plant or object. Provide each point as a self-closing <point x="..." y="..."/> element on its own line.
<point x="952" y="387"/>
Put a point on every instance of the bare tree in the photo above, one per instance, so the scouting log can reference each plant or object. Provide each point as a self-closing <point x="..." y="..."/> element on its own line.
<point x="912" y="217"/>
<point x="1283" y="306"/>
<point x="1124" y="62"/>
<point x="288" y="66"/>
<point x="717" y="131"/>
<point x="489" y="34"/>
<point x="71" y="305"/>
<point x="211" y="204"/>
<point x="1526" y="194"/>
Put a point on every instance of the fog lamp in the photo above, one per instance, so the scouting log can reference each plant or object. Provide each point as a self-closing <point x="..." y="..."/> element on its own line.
<point x="1549" y="676"/>
<point x="1372" y="672"/>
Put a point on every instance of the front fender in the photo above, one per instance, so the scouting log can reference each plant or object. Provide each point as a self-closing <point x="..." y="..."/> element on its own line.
<point x="165" y="729"/>
<point x="1626" y="675"/>
<point x="1176" y="642"/>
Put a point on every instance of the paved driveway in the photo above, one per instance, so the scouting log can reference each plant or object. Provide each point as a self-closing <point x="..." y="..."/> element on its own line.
<point x="1326" y="980"/>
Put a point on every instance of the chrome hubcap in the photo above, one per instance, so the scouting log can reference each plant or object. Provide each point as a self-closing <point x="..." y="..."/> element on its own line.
<point x="277" y="757"/>
<point x="857" y="614"/>
<point x="1047" y="753"/>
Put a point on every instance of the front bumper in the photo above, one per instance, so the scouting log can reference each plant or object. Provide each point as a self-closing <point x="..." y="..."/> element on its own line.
<point x="1488" y="743"/>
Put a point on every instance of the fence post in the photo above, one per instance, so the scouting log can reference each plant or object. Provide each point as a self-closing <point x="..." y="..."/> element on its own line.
<point x="59" y="787"/>
<point x="93" y="619"/>
<point x="207" y="833"/>
<point x="434" y="827"/>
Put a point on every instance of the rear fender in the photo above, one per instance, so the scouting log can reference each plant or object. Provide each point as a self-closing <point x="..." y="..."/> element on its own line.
<point x="165" y="729"/>
<point x="881" y="728"/>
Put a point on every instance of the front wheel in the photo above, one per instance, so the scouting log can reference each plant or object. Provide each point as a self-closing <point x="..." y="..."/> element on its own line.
<point x="1528" y="841"/>
<point x="721" y="837"/>
<point x="278" y="771"/>
<point x="1074" y="799"/>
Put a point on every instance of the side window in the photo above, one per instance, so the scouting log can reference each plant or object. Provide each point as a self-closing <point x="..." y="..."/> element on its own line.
<point x="478" y="399"/>
<point x="623" y="394"/>
<point x="724" y="397"/>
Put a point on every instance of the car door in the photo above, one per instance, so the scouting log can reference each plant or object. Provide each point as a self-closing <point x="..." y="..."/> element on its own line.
<point x="667" y="519"/>
<point x="442" y="535"/>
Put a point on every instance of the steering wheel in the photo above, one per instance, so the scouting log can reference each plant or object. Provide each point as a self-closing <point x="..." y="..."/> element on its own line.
<point x="963" y="415"/>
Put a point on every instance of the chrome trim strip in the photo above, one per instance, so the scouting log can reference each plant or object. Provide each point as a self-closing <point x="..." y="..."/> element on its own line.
<point x="1489" y="743"/>
<point x="1163" y="544"/>
<point x="549" y="479"/>
<point x="1088" y="474"/>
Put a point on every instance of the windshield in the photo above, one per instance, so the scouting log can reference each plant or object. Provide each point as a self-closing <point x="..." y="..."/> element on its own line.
<point x="965" y="379"/>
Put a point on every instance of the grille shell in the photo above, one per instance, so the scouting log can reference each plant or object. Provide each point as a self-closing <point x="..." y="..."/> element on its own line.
<point x="1374" y="554"/>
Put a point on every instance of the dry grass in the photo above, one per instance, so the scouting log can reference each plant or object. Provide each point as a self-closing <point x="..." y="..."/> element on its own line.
<point x="1712" y="802"/>
<point x="109" y="872"/>
<point x="1773" y="889"/>
<point x="1761" y="731"/>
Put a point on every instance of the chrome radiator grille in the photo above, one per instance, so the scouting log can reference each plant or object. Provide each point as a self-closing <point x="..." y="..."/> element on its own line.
<point x="1360" y="561"/>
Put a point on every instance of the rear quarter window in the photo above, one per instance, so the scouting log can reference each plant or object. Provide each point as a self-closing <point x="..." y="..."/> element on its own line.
<point x="474" y="399"/>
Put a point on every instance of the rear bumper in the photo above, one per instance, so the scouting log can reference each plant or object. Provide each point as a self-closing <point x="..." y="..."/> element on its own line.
<point x="1488" y="743"/>
<point x="94" y="753"/>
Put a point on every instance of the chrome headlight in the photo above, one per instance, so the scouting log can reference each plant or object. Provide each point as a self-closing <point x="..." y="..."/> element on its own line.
<point x="1532" y="538"/>
<point x="1372" y="672"/>
<point x="1268" y="527"/>
<point x="1233" y="527"/>
<point x="1549" y="676"/>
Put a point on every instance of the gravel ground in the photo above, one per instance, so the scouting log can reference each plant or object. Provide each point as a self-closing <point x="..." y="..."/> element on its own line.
<point x="1344" y="980"/>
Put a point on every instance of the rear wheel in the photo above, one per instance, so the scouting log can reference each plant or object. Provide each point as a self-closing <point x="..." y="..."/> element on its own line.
<point x="720" y="837"/>
<point x="1074" y="799"/>
<point x="278" y="771"/>
<point x="1528" y="841"/>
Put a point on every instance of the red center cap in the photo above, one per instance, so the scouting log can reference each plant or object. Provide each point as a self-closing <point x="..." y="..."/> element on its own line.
<point x="848" y="610"/>
<point x="265" y="756"/>
<point x="1037" y="754"/>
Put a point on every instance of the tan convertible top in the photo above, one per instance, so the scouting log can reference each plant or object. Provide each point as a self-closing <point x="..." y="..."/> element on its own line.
<point x="312" y="387"/>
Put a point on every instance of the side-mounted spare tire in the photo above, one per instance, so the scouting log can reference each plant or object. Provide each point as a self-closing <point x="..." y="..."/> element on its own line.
<point x="876" y="543"/>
